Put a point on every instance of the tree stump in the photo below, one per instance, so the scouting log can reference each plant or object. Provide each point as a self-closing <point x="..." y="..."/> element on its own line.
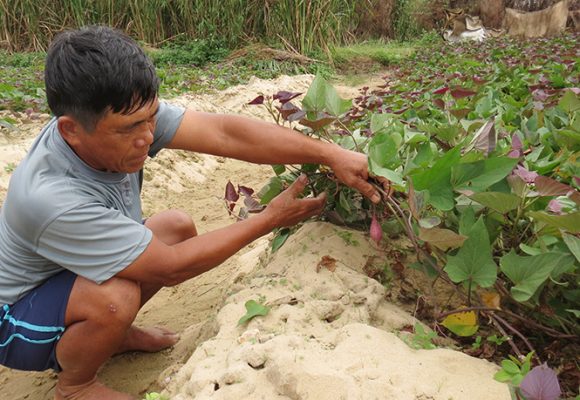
<point x="492" y="13"/>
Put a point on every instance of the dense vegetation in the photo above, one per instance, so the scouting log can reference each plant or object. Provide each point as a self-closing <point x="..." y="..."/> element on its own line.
<point x="301" y="25"/>
<point x="481" y="145"/>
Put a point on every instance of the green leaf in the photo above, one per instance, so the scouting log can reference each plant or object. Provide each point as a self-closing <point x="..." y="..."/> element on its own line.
<point x="253" y="309"/>
<point x="467" y="220"/>
<point x="383" y="151"/>
<point x="502" y="376"/>
<point x="437" y="180"/>
<point x="500" y="202"/>
<point x="429" y="222"/>
<point x="570" y="102"/>
<point x="528" y="273"/>
<point x="424" y="155"/>
<point x="379" y="122"/>
<point x="281" y="236"/>
<point x="322" y="96"/>
<point x="510" y="367"/>
<point x="344" y="201"/>
<point x="279" y="169"/>
<point x="569" y="222"/>
<point x="567" y="138"/>
<point x="315" y="98"/>
<point x="573" y="244"/>
<point x="272" y="189"/>
<point x="473" y="261"/>
<point x="335" y="104"/>
<point x="480" y="175"/>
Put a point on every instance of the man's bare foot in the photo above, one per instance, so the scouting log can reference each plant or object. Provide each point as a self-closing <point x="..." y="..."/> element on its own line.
<point x="148" y="339"/>
<point x="93" y="390"/>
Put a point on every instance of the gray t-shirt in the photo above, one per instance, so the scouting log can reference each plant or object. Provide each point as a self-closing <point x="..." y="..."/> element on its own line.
<point x="60" y="213"/>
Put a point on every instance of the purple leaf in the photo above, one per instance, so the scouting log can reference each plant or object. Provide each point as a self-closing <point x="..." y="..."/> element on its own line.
<point x="551" y="187"/>
<point x="246" y="191"/>
<point x="441" y="90"/>
<point x="297" y="116"/>
<point x="516" y="142"/>
<point x="257" y="101"/>
<point x="514" y="154"/>
<point x="439" y="103"/>
<point x="460" y="93"/>
<point x="231" y="195"/>
<point x="485" y="138"/>
<point x="540" y="95"/>
<point x="555" y="206"/>
<point x="376" y="231"/>
<point x="541" y="383"/>
<point x="527" y="176"/>
<point x="460" y="112"/>
<point x="288" y="109"/>
<point x="320" y="122"/>
<point x="284" y="96"/>
<point x="252" y="204"/>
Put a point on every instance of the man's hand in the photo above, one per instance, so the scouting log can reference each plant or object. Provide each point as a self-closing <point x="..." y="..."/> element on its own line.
<point x="351" y="168"/>
<point x="287" y="209"/>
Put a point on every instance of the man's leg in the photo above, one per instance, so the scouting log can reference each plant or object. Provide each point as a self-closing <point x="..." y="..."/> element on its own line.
<point x="99" y="321"/>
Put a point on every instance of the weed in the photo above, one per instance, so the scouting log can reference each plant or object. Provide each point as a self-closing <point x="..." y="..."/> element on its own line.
<point x="10" y="167"/>
<point x="154" y="396"/>
<point x="421" y="339"/>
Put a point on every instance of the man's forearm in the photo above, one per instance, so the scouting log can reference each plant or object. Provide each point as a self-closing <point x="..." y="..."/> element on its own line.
<point x="250" y="140"/>
<point x="267" y="143"/>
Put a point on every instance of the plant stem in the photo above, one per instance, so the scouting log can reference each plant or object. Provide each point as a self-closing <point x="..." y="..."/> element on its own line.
<point x="518" y="333"/>
<point x="549" y="331"/>
<point x="510" y="340"/>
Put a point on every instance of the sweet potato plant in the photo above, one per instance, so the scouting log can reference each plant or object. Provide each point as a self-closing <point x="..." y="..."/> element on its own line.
<point x="481" y="144"/>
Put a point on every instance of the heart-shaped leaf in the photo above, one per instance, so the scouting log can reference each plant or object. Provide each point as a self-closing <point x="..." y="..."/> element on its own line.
<point x="462" y="323"/>
<point x="253" y="309"/>
<point x="541" y="383"/>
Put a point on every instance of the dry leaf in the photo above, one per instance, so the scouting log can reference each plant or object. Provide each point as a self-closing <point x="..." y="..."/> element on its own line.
<point x="327" y="262"/>
<point x="491" y="299"/>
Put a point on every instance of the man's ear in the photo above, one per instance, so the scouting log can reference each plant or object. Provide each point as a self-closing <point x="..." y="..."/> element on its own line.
<point x="70" y="129"/>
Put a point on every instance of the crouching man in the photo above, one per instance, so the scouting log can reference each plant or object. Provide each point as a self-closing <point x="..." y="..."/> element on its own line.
<point x="76" y="261"/>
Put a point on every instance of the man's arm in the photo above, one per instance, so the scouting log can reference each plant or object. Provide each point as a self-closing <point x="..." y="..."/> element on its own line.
<point x="169" y="265"/>
<point x="265" y="143"/>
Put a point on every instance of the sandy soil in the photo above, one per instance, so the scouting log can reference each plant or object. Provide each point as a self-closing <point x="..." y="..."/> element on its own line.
<point x="329" y="334"/>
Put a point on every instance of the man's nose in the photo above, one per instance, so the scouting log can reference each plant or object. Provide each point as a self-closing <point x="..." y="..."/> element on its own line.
<point x="145" y="139"/>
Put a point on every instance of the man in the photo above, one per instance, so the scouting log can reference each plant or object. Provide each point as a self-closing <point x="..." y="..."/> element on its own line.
<point x="76" y="261"/>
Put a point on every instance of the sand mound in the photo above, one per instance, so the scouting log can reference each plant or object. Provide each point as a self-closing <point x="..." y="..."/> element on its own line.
<point x="329" y="335"/>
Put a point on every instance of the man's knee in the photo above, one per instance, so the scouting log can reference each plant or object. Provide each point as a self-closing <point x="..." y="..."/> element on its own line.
<point x="183" y="224"/>
<point x="172" y="226"/>
<point x="115" y="301"/>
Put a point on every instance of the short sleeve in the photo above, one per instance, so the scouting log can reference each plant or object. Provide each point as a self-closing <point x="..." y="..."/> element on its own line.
<point x="93" y="241"/>
<point x="168" y="120"/>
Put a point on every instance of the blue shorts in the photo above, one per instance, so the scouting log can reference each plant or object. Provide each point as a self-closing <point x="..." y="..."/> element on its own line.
<point x="31" y="327"/>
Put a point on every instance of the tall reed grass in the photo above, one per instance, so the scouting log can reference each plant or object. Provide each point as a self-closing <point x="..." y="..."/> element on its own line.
<point x="304" y="25"/>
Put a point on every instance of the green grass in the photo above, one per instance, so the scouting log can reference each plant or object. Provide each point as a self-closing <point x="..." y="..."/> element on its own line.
<point x="378" y="51"/>
<point x="190" y="67"/>
<point x="200" y="66"/>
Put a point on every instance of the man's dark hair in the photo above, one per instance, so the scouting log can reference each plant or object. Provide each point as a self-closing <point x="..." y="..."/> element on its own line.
<point x="94" y="69"/>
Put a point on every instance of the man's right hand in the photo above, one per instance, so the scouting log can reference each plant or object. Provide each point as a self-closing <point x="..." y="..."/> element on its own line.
<point x="287" y="209"/>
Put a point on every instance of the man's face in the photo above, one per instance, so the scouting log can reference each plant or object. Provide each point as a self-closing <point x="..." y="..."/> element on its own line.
<point x="119" y="142"/>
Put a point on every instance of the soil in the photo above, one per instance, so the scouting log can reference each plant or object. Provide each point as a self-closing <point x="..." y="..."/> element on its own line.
<point x="326" y="326"/>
